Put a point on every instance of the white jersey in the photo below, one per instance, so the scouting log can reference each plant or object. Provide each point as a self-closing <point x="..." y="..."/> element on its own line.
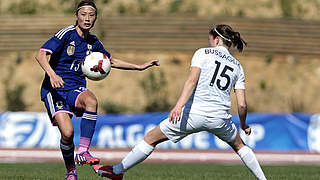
<point x="220" y="72"/>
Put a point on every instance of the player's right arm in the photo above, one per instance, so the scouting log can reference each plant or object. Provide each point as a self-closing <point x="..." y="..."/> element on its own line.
<point x="54" y="45"/>
<point x="242" y="109"/>
<point x="55" y="80"/>
<point x="189" y="85"/>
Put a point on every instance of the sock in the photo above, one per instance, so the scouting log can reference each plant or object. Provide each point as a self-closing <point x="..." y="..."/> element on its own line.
<point x="249" y="159"/>
<point x="139" y="153"/>
<point x="87" y="127"/>
<point x="68" y="156"/>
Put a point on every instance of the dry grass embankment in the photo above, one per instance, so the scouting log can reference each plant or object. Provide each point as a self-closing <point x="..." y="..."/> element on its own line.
<point x="282" y="83"/>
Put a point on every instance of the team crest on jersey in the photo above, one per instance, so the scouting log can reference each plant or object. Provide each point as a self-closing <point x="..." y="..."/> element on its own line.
<point x="71" y="48"/>
<point x="59" y="104"/>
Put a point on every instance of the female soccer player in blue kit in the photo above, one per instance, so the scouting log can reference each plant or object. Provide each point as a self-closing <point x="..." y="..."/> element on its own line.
<point x="202" y="106"/>
<point x="64" y="89"/>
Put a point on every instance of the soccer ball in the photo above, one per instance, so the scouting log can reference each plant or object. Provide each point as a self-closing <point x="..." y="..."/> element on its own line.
<point x="96" y="66"/>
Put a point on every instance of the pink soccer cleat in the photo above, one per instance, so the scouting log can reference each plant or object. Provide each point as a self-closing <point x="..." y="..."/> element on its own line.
<point x="107" y="171"/>
<point x="86" y="158"/>
<point x="71" y="176"/>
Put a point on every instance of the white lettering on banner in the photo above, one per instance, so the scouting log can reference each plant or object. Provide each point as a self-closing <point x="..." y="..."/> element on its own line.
<point x="186" y="143"/>
<point x="20" y="129"/>
<point x="314" y="133"/>
<point x="115" y="138"/>
<point x="109" y="137"/>
<point x="134" y="134"/>
<point x="202" y="140"/>
<point x="149" y="127"/>
<point x="105" y="137"/>
<point x="120" y="142"/>
<point x="164" y="145"/>
<point x="257" y="134"/>
<point x="221" y="144"/>
<point x="199" y="140"/>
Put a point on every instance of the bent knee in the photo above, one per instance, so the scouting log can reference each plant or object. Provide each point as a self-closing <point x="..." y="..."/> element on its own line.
<point x="67" y="136"/>
<point x="91" y="102"/>
<point x="87" y="101"/>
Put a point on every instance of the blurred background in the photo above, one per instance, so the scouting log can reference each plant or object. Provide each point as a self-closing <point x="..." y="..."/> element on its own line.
<point x="281" y="62"/>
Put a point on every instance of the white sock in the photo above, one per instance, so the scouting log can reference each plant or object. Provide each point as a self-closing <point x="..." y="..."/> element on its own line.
<point x="249" y="159"/>
<point x="139" y="153"/>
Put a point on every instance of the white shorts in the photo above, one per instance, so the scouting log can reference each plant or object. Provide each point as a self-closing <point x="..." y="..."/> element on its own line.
<point x="192" y="123"/>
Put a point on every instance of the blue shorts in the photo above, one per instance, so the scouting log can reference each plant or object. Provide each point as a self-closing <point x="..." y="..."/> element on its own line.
<point x="63" y="102"/>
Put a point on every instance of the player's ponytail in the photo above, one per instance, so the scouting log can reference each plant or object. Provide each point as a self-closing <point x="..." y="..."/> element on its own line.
<point x="229" y="36"/>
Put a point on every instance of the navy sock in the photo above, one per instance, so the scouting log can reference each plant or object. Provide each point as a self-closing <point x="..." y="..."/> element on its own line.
<point x="68" y="155"/>
<point x="87" y="127"/>
<point x="88" y="124"/>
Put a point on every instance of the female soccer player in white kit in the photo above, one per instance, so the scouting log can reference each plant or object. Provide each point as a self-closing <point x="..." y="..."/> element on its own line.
<point x="203" y="105"/>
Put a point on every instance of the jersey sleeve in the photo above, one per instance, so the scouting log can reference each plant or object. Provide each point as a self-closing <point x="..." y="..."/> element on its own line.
<point x="102" y="50"/>
<point x="240" y="84"/>
<point x="53" y="45"/>
<point x="197" y="60"/>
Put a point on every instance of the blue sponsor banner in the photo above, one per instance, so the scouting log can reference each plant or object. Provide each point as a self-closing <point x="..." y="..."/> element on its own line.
<point x="270" y="131"/>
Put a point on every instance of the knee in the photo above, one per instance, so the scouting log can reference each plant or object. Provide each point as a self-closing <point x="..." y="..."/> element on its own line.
<point x="237" y="144"/>
<point x="68" y="136"/>
<point x="148" y="139"/>
<point x="91" y="102"/>
<point x="155" y="136"/>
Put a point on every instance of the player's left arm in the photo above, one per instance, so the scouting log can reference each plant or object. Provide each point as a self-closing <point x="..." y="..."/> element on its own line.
<point x="120" y="64"/>
<point x="242" y="110"/>
<point x="189" y="85"/>
<point x="240" y="92"/>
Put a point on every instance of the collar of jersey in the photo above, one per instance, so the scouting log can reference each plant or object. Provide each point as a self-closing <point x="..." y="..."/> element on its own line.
<point x="83" y="39"/>
<point x="222" y="48"/>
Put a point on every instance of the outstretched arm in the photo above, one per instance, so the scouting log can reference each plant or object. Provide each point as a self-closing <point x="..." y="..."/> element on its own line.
<point x="242" y="110"/>
<point x="189" y="85"/>
<point x="56" y="81"/>
<point x="119" y="64"/>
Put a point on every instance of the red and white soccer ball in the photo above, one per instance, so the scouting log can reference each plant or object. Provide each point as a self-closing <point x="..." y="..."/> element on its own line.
<point x="96" y="66"/>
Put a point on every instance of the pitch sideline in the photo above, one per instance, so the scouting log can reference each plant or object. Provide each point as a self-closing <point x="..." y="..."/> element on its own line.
<point x="160" y="155"/>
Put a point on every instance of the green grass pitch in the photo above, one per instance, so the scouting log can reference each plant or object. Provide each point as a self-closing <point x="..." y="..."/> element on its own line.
<point x="160" y="171"/>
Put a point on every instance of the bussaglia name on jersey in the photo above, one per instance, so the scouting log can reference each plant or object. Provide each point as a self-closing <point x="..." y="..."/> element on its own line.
<point x="222" y="55"/>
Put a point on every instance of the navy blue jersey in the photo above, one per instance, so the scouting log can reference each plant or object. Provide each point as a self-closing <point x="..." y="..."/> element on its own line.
<point x="68" y="50"/>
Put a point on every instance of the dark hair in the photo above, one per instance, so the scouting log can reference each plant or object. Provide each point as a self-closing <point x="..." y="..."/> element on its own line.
<point x="86" y="3"/>
<point x="229" y="36"/>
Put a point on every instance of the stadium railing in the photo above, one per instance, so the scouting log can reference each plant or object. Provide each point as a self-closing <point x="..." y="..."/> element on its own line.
<point x="284" y="36"/>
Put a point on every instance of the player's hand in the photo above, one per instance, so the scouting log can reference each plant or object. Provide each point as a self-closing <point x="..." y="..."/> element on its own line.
<point x="151" y="63"/>
<point x="246" y="129"/>
<point x="175" y="114"/>
<point x="56" y="81"/>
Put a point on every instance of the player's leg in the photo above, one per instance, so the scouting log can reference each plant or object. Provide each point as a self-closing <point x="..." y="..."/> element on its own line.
<point x="166" y="130"/>
<point x="247" y="156"/>
<point x="59" y="114"/>
<point x="142" y="150"/>
<point x="66" y="143"/>
<point x="227" y="131"/>
<point x="87" y="102"/>
<point x="138" y="154"/>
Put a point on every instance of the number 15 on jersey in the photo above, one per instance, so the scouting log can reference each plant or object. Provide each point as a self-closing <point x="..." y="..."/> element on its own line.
<point x="224" y="74"/>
